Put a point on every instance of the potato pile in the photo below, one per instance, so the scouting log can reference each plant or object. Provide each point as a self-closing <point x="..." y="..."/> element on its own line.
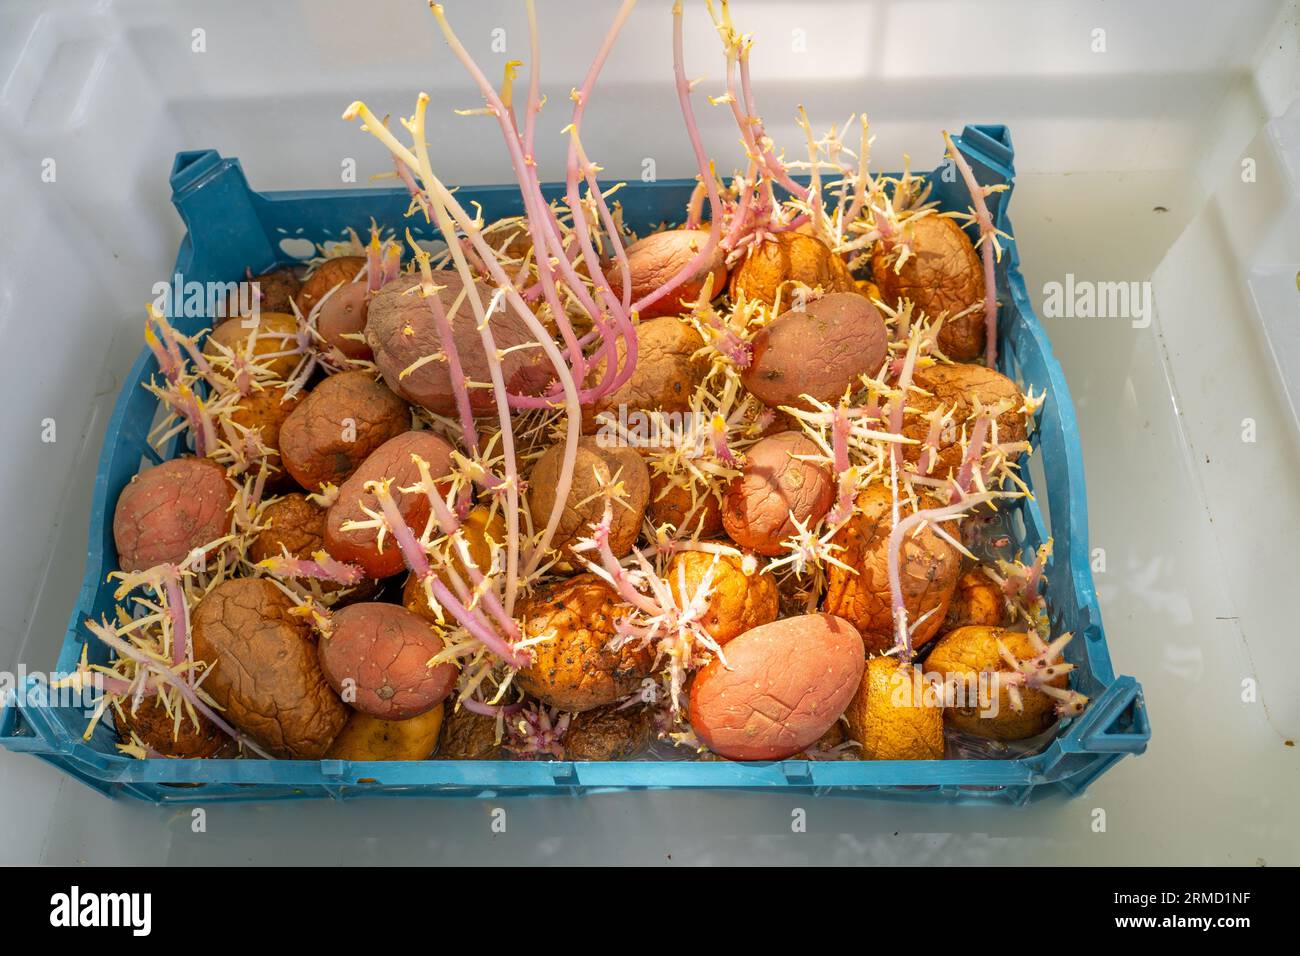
<point x="562" y="491"/>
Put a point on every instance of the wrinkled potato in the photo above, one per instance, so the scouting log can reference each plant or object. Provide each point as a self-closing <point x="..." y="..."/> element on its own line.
<point x="737" y="601"/>
<point x="655" y="259"/>
<point x="337" y="426"/>
<point x="891" y="715"/>
<point x="956" y="386"/>
<point x="928" y="572"/>
<point x="167" y="511"/>
<point x="401" y="331"/>
<point x="609" y="733"/>
<point x="326" y="276"/>
<point x="275" y="332"/>
<point x="594" y="464"/>
<point x="773" y="490"/>
<point x="391" y="460"/>
<point x="480" y="526"/>
<point x="820" y="350"/>
<point x="969" y="651"/>
<point x="373" y="738"/>
<point x="786" y="260"/>
<point x="665" y="377"/>
<point x="783" y="685"/>
<point x="469" y="736"/>
<point x="977" y="600"/>
<point x="263" y="671"/>
<point x="575" y="670"/>
<point x="943" y="274"/>
<point x="157" y="730"/>
<point x="278" y="288"/>
<point x="696" y="515"/>
<point x="378" y="658"/>
<point x="266" y="410"/>
<point x="292" y="522"/>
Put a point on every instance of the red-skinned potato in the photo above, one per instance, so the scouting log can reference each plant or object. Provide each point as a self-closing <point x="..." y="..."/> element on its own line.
<point x="377" y="657"/>
<point x="773" y="490"/>
<point x="820" y="350"/>
<point x="595" y="464"/>
<point x="666" y="374"/>
<point x="274" y="332"/>
<point x="928" y="574"/>
<point x="400" y="331"/>
<point x="342" y="315"/>
<point x="576" y="670"/>
<point x="326" y="276"/>
<point x="392" y="460"/>
<point x="957" y="386"/>
<point x="609" y="733"/>
<point x="738" y="601"/>
<point x="943" y="274"/>
<point x="786" y="260"/>
<point x="783" y="685"/>
<point x="337" y="426"/>
<point x="657" y="258"/>
<point x="167" y="511"/>
<point x="263" y="672"/>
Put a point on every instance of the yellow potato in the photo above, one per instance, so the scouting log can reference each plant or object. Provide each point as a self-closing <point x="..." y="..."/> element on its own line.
<point x="892" y="716"/>
<point x="370" y="738"/>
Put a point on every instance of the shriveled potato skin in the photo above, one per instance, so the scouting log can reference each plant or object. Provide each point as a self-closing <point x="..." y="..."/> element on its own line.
<point x="971" y="650"/>
<point x="168" y="510"/>
<point x="275" y="331"/>
<point x="575" y="670"/>
<point x="665" y="377"/>
<point x="673" y="504"/>
<point x="344" y="314"/>
<point x="325" y="277"/>
<point x="264" y="672"/>
<point x="929" y="567"/>
<point x="658" y="257"/>
<point x="469" y="736"/>
<point x="738" y="601"/>
<point x="392" y="460"/>
<point x="773" y="490"/>
<point x="977" y="600"/>
<point x="820" y="350"/>
<point x="889" y="715"/>
<point x="785" y="259"/>
<point x="278" y="288"/>
<point x="292" y="522"/>
<point x="784" y="684"/>
<point x="151" y="723"/>
<point x="377" y="658"/>
<point x="373" y="738"/>
<point x="944" y="274"/>
<point x="592" y="460"/>
<point x="400" y="330"/>
<point x="314" y="439"/>
<point x="956" y="385"/>
<point x="609" y="733"/>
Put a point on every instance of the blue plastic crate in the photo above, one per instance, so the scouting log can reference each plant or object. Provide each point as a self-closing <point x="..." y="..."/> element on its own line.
<point x="231" y="228"/>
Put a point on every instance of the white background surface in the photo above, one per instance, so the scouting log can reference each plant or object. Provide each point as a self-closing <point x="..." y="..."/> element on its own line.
<point x="1198" y="526"/>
